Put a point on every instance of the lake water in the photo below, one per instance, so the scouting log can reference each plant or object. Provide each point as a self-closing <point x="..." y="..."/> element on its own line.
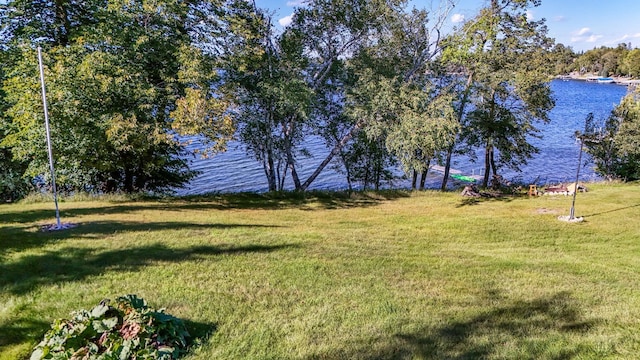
<point x="234" y="171"/>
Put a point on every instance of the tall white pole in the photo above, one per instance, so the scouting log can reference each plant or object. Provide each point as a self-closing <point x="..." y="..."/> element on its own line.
<point x="46" y="124"/>
<point x="575" y="190"/>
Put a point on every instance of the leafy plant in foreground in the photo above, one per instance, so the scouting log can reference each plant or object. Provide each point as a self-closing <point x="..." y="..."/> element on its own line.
<point x="128" y="330"/>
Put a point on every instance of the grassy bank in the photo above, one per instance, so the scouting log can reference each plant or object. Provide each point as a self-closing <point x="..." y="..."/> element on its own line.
<point x="395" y="275"/>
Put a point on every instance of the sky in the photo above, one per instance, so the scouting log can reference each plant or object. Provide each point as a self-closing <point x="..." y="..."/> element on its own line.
<point x="580" y="24"/>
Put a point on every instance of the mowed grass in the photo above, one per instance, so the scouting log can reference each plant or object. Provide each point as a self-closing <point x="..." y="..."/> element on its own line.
<point x="388" y="275"/>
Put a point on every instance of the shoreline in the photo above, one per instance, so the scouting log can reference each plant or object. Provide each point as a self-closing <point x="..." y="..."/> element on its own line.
<point x="619" y="80"/>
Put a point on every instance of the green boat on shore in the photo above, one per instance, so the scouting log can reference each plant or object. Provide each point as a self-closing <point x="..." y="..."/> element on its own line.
<point x="463" y="178"/>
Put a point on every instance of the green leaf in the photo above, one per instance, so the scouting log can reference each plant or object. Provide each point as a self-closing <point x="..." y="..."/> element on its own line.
<point x="104" y="325"/>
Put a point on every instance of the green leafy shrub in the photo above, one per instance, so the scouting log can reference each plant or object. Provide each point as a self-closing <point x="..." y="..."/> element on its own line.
<point x="128" y="330"/>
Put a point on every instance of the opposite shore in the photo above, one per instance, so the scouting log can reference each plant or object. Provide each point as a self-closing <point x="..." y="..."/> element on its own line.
<point x="620" y="80"/>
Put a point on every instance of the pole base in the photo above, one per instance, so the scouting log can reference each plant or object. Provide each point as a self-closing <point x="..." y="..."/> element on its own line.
<point x="570" y="219"/>
<point x="56" y="227"/>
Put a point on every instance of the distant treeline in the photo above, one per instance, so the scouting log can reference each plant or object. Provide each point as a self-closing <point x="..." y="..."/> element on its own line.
<point x="621" y="60"/>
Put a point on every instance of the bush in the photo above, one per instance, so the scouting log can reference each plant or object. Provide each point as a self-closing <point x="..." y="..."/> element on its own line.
<point x="12" y="185"/>
<point x="130" y="330"/>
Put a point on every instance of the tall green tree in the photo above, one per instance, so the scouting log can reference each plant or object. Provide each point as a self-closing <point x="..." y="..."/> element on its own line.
<point x="563" y="59"/>
<point x="288" y="81"/>
<point x="615" y="145"/>
<point x="332" y="32"/>
<point x="122" y="77"/>
<point x="505" y="59"/>
<point x="399" y="91"/>
<point x="627" y="138"/>
<point x="631" y="63"/>
<point x="12" y="184"/>
<point x="599" y="143"/>
<point x="265" y="79"/>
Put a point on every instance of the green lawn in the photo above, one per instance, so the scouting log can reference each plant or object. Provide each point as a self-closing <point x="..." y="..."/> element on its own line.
<point x="390" y="275"/>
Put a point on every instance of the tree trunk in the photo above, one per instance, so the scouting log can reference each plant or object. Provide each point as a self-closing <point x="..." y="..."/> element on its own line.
<point x="288" y="134"/>
<point x="268" y="162"/>
<point x="494" y="168"/>
<point x="414" y="179"/>
<point x="488" y="156"/>
<point x="447" y="168"/>
<point x="281" y="177"/>
<point x="463" y="104"/>
<point x="62" y="23"/>
<point x="423" y="178"/>
<point x="487" y="163"/>
<point x="336" y="149"/>
<point x="128" y="180"/>
<point x="269" y="170"/>
<point x="347" y="170"/>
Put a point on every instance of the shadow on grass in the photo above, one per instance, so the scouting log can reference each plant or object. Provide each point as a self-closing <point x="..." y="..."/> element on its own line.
<point x="267" y="201"/>
<point x="470" y="201"/>
<point x="612" y="211"/>
<point x="535" y="329"/>
<point x="21" y="330"/>
<point x="77" y="264"/>
<point x="25" y="237"/>
<point x="298" y="199"/>
<point x="199" y="332"/>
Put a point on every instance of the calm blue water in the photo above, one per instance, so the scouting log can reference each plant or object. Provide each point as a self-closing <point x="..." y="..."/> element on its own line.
<point x="234" y="171"/>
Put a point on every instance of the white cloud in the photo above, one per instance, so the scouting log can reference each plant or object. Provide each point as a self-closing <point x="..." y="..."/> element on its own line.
<point x="457" y="18"/>
<point x="585" y="35"/>
<point x="286" y="21"/>
<point x="559" y="18"/>
<point x="627" y="36"/>
<point x="293" y="3"/>
<point x="530" y="15"/>
<point x="624" y="38"/>
<point x="593" y="38"/>
<point x="584" y="32"/>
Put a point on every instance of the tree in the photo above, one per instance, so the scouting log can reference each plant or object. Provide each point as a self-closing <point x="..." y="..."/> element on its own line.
<point x="504" y="58"/>
<point x="367" y="161"/>
<point x="631" y="63"/>
<point x="12" y="185"/>
<point x="122" y="78"/>
<point x="563" y="59"/>
<point x="265" y="78"/>
<point x="398" y="92"/>
<point x="51" y="22"/>
<point x="415" y="123"/>
<point x="614" y="145"/>
<point x="606" y="61"/>
<point x="287" y="82"/>
<point x="627" y="138"/>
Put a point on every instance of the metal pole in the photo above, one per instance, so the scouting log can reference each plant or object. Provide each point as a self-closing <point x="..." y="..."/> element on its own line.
<point x="575" y="190"/>
<point x="46" y="123"/>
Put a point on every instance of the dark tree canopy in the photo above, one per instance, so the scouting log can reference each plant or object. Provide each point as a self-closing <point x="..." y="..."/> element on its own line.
<point x="615" y="145"/>
<point x="115" y="72"/>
